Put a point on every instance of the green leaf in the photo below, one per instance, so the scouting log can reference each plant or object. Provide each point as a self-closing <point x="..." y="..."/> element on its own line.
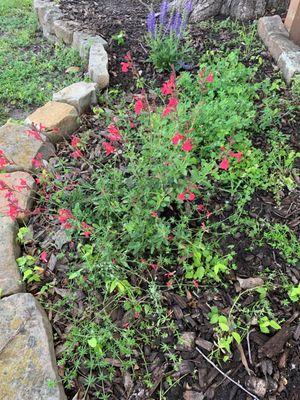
<point x="224" y="327"/>
<point x="237" y="337"/>
<point x="274" y="325"/>
<point x="93" y="342"/>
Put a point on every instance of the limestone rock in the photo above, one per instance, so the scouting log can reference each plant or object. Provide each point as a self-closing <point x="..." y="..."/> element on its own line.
<point x="98" y="65"/>
<point x="48" y="12"/>
<point x="82" y="42"/>
<point x="275" y="36"/>
<point x="60" y="120"/>
<point x="10" y="277"/>
<point x="289" y="63"/>
<point x="27" y="362"/>
<point x="21" y="185"/>
<point x="64" y="30"/>
<point x="19" y="148"/>
<point x="81" y="95"/>
<point x="192" y="395"/>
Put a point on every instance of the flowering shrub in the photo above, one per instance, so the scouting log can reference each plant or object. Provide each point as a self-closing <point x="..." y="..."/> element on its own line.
<point x="168" y="38"/>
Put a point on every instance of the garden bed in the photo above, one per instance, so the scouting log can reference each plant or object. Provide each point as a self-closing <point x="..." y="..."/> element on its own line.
<point x="152" y="220"/>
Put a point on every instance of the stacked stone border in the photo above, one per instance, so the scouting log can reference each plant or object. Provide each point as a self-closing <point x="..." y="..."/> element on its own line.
<point x="28" y="368"/>
<point x="285" y="52"/>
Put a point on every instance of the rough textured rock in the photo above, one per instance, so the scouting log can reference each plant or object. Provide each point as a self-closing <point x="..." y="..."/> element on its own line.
<point x="48" y="12"/>
<point x="10" y="277"/>
<point x="82" y="42"/>
<point x="81" y="95"/>
<point x="192" y="395"/>
<point x="20" y="148"/>
<point x="268" y="26"/>
<point x="289" y="63"/>
<point x="240" y="9"/>
<point x="60" y="120"/>
<point x="98" y="65"/>
<point x="21" y="186"/>
<point x="27" y="362"/>
<point x="64" y="30"/>
<point x="256" y="386"/>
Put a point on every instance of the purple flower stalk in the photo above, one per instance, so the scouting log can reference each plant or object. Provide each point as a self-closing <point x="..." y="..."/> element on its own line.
<point x="151" y="23"/>
<point x="164" y="9"/>
<point x="176" y="26"/>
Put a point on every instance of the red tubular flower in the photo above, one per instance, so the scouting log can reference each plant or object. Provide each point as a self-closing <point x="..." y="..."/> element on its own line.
<point x="37" y="162"/>
<point x="187" y="145"/>
<point x="64" y="217"/>
<point x="109" y="149"/>
<point x="128" y="64"/>
<point x="43" y="257"/>
<point x="125" y="66"/>
<point x="224" y="164"/>
<point x="75" y="141"/>
<point x="139" y="106"/>
<point x="176" y="138"/>
<point x="210" y="78"/>
<point x="169" y="86"/>
<point x="115" y="134"/>
<point x="172" y="105"/>
<point x="77" y="154"/>
<point x="237" y="155"/>
<point x="181" y="196"/>
<point x="192" y="196"/>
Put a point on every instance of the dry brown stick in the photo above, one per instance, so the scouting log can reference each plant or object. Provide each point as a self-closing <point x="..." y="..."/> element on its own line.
<point x="225" y="375"/>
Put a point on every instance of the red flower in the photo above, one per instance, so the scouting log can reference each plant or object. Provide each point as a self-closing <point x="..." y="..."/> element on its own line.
<point x="37" y="162"/>
<point x="114" y="133"/>
<point x="210" y="78"/>
<point x="77" y="154"/>
<point x="34" y="133"/>
<point x="237" y="155"/>
<point x="187" y="145"/>
<point x="64" y="217"/>
<point x="176" y="138"/>
<point x="109" y="149"/>
<point x="201" y="207"/>
<point x="87" y="229"/>
<point x="3" y="160"/>
<point x="172" y="105"/>
<point x="125" y="66"/>
<point x="181" y="196"/>
<point x="224" y="164"/>
<point x="139" y="106"/>
<point x="169" y="86"/>
<point x="192" y="196"/>
<point x="169" y="284"/>
<point x="75" y="141"/>
<point x="43" y="257"/>
<point x="154" y="214"/>
<point x="154" y="267"/>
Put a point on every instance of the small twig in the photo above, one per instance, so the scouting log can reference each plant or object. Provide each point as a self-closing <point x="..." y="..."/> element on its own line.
<point x="249" y="347"/>
<point x="225" y="375"/>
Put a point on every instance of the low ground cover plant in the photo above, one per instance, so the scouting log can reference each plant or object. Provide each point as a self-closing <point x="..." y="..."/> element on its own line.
<point x="30" y="68"/>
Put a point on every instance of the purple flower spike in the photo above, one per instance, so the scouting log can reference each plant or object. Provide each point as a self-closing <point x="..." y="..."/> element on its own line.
<point x="176" y="23"/>
<point x="164" y="9"/>
<point x="188" y="6"/>
<point x="151" y="24"/>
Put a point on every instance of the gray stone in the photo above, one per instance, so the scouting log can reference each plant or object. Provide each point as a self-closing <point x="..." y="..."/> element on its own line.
<point x="268" y="26"/>
<point x="64" y="30"/>
<point x="275" y="36"/>
<point x="81" y="95"/>
<point x="82" y="42"/>
<point x="289" y="63"/>
<point x="20" y="149"/>
<point x="192" y="395"/>
<point x="27" y="361"/>
<point x="10" y="277"/>
<point x="98" y="65"/>
<point x="256" y="386"/>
